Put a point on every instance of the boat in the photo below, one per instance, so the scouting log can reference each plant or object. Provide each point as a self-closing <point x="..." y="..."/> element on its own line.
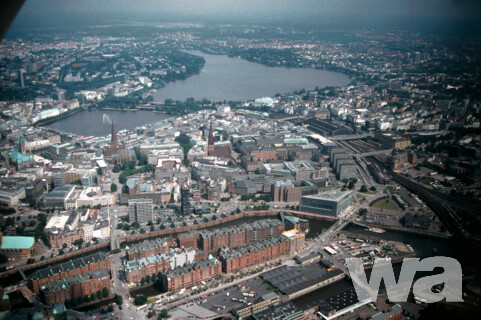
<point x="376" y="230"/>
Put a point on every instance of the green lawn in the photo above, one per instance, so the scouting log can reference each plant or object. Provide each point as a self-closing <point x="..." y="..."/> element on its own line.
<point x="369" y="192"/>
<point x="386" y="204"/>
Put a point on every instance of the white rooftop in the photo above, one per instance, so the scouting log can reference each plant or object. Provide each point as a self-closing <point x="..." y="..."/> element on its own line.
<point x="57" y="222"/>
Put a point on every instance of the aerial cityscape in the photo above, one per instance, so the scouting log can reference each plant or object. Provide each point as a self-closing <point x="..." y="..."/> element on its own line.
<point x="228" y="159"/>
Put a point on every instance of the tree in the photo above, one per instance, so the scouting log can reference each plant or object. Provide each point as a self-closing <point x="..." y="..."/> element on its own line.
<point x="140" y="299"/>
<point x="363" y="188"/>
<point x="362" y="211"/>
<point x="135" y="225"/>
<point x="184" y="224"/>
<point x="172" y="225"/>
<point x="351" y="184"/>
<point x="149" y="223"/>
<point x="195" y="222"/>
<point x="119" y="300"/>
<point x="162" y="226"/>
<point x="99" y="294"/>
<point x="205" y="219"/>
<point x="105" y="292"/>
<point x="110" y="308"/>
<point x="148" y="279"/>
<point x="373" y="188"/>
<point x="93" y="297"/>
<point x="164" y="314"/>
<point x="152" y="228"/>
<point x="3" y="258"/>
<point x="113" y="187"/>
<point x="80" y="300"/>
<point x="214" y="217"/>
<point x="116" y="168"/>
<point x="87" y="298"/>
<point x="125" y="189"/>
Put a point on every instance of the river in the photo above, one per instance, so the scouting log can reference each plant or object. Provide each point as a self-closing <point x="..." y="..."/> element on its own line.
<point x="225" y="78"/>
<point x="90" y="123"/>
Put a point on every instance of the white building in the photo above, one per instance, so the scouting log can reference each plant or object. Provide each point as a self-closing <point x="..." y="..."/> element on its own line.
<point x="93" y="196"/>
<point x="180" y="257"/>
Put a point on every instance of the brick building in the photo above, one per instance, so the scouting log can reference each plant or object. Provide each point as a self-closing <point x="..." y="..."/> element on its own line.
<point x="82" y="265"/>
<point x="75" y="286"/>
<point x="188" y="240"/>
<point x="137" y="269"/>
<point x="285" y="191"/>
<point x="253" y="254"/>
<point x="191" y="274"/>
<point x="236" y="236"/>
<point x="57" y="238"/>
<point x="149" y="247"/>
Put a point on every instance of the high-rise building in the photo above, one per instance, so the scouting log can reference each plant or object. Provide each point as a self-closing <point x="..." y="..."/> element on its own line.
<point x="21" y="76"/>
<point x="185" y="200"/>
<point x="417" y="57"/>
<point x="141" y="210"/>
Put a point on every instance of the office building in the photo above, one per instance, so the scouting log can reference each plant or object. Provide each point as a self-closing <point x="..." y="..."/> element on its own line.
<point x="347" y="171"/>
<point x="329" y="204"/>
<point x="185" y="201"/>
<point x="141" y="210"/>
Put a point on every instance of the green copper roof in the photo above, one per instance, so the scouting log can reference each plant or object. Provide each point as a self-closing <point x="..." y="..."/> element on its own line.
<point x="17" y="242"/>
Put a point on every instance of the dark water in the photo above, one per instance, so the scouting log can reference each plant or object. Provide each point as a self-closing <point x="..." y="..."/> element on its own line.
<point x="90" y="123"/>
<point x="224" y="78"/>
<point x="422" y="245"/>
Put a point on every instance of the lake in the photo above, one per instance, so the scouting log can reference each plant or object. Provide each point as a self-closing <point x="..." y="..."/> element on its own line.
<point x="224" y="78"/>
<point x="90" y="123"/>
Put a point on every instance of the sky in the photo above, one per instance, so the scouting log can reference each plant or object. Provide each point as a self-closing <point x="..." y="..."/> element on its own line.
<point x="46" y="13"/>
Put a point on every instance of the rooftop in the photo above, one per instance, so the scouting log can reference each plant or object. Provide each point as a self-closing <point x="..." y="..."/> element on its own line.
<point x="17" y="242"/>
<point x="334" y="196"/>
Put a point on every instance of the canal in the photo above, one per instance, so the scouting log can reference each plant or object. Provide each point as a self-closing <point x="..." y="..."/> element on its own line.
<point x="421" y="244"/>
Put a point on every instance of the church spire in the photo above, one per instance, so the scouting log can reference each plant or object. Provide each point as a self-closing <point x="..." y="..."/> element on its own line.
<point x="211" y="135"/>
<point x="113" y="140"/>
<point x="210" y="147"/>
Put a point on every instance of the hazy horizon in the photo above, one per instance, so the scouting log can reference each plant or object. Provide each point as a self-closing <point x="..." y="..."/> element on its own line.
<point x="457" y="16"/>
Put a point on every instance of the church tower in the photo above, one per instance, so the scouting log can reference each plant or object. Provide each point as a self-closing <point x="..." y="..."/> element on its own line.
<point x="113" y="140"/>
<point x="211" y="141"/>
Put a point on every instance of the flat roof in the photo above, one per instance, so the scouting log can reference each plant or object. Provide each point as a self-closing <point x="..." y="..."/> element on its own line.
<point x="57" y="222"/>
<point x="334" y="196"/>
<point x="293" y="234"/>
<point x="17" y="242"/>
